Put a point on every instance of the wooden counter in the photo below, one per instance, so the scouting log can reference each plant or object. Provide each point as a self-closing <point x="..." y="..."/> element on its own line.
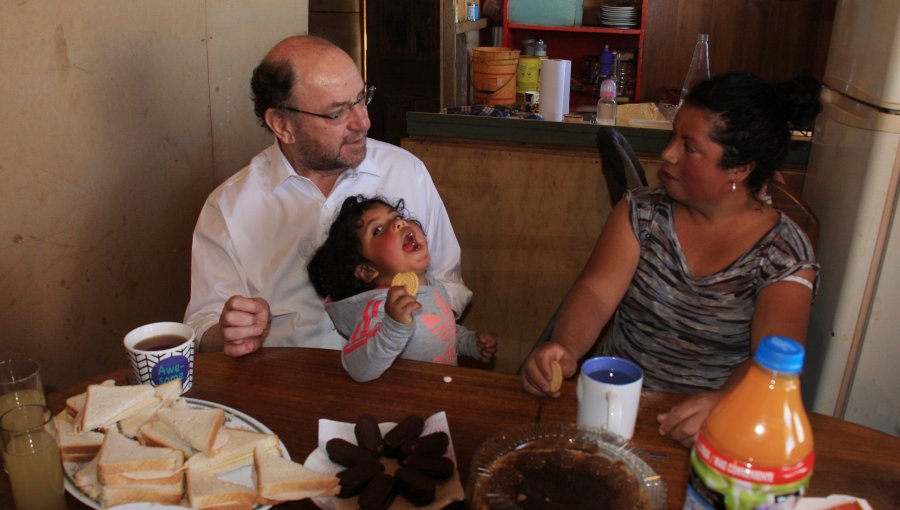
<point x="647" y="143"/>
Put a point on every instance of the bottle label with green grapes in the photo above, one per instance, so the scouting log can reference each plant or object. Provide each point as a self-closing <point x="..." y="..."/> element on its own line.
<point x="718" y="482"/>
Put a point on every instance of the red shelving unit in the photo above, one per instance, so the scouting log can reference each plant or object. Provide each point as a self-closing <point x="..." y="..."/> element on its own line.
<point x="576" y="42"/>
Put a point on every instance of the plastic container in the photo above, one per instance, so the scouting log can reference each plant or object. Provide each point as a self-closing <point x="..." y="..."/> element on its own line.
<point x="607" y="63"/>
<point x="606" y="106"/>
<point x="528" y="45"/>
<point x="576" y="442"/>
<point x="527" y="79"/>
<point x="472" y="10"/>
<point x="699" y="69"/>
<point x="546" y="12"/>
<point x="756" y="447"/>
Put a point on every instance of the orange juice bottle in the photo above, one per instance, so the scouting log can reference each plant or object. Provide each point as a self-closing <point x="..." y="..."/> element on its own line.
<point x="755" y="450"/>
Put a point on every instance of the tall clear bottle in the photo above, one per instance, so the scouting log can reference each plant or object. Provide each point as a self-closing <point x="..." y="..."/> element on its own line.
<point x="756" y="448"/>
<point x="699" y="69"/>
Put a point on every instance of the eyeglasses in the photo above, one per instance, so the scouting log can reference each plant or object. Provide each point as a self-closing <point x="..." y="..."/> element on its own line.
<point x="342" y="114"/>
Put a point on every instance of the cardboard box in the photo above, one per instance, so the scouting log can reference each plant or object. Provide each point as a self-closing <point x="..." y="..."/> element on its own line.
<point x="562" y="13"/>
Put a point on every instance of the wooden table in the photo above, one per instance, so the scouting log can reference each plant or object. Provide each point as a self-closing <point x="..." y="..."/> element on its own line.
<point x="289" y="389"/>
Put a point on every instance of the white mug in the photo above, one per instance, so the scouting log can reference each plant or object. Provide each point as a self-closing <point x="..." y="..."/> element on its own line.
<point x="609" y="390"/>
<point x="158" y="364"/>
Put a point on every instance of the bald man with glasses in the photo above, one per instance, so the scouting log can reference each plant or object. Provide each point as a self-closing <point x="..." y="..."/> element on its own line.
<point x="258" y="229"/>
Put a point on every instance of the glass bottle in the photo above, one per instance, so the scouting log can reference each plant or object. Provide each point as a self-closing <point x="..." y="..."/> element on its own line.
<point x="699" y="69"/>
<point x="625" y="76"/>
<point x="32" y="459"/>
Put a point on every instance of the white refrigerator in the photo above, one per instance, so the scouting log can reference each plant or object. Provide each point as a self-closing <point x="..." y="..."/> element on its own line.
<point x="853" y="356"/>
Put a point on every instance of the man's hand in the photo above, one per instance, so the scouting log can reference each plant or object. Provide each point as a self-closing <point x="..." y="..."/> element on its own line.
<point x="243" y="324"/>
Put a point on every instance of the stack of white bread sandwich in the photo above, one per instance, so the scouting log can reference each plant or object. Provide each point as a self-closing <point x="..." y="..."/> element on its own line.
<point x="142" y="443"/>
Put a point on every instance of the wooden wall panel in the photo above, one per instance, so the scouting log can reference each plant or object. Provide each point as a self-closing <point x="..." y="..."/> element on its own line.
<point x="341" y="22"/>
<point x="403" y="59"/>
<point x="239" y="35"/>
<point x="776" y="39"/>
<point x="527" y="219"/>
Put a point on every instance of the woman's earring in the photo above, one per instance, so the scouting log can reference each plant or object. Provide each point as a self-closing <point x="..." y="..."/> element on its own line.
<point x="733" y="186"/>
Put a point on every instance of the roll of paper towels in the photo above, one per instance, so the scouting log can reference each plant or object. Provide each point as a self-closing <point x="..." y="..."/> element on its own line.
<point x="554" y="88"/>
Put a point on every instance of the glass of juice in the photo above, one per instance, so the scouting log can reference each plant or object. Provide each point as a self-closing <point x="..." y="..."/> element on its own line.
<point x="32" y="458"/>
<point x="20" y="384"/>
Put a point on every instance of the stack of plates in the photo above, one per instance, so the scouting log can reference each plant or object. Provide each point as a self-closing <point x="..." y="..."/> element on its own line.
<point x="619" y="16"/>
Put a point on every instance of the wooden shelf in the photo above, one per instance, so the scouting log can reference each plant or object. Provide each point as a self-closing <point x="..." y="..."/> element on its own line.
<point x="468" y="26"/>
<point x="457" y="41"/>
<point x="582" y="28"/>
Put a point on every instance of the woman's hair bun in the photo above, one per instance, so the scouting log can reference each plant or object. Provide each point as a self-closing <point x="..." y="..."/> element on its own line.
<point x="800" y="99"/>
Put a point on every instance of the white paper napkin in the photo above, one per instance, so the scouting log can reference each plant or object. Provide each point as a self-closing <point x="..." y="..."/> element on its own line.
<point x="447" y="492"/>
<point x="831" y="501"/>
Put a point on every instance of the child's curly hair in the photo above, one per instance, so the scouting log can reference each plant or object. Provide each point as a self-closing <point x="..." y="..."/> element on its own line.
<point x="331" y="269"/>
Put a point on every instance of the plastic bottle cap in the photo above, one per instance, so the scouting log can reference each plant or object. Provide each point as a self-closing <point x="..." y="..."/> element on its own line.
<point x="702" y="37"/>
<point x="608" y="89"/>
<point x="780" y="354"/>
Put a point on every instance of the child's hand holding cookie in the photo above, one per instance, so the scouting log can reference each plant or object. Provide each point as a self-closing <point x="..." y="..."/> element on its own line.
<point x="408" y="280"/>
<point x="401" y="297"/>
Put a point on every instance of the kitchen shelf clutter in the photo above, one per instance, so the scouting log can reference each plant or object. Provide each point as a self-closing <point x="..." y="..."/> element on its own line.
<point x="578" y="31"/>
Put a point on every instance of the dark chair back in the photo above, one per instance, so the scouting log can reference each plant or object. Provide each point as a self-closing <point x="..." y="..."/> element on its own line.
<point x="789" y="202"/>
<point x="621" y="167"/>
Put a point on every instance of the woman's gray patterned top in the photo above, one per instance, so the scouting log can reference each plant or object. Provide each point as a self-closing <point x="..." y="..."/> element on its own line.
<point x="688" y="333"/>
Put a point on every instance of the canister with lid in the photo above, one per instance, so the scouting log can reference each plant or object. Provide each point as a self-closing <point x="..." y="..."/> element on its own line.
<point x="528" y="47"/>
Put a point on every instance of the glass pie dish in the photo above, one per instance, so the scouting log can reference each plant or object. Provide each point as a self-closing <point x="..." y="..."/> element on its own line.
<point x="561" y="465"/>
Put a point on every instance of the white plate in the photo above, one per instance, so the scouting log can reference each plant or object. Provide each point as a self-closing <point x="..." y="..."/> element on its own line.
<point x="243" y="476"/>
<point x="447" y="492"/>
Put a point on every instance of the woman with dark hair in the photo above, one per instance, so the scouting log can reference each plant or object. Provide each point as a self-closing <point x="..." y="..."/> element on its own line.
<point x="695" y="272"/>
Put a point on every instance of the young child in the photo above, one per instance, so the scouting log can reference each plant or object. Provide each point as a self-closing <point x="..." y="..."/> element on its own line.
<point x="369" y="243"/>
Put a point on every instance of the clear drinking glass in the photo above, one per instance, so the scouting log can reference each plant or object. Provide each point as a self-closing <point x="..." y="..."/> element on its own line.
<point x="32" y="459"/>
<point x="20" y="384"/>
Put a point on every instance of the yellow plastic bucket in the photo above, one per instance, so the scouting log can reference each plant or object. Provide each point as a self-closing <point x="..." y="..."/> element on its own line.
<point x="494" y="75"/>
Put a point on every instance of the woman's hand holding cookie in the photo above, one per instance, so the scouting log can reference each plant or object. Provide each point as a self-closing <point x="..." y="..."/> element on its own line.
<point x="545" y="368"/>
